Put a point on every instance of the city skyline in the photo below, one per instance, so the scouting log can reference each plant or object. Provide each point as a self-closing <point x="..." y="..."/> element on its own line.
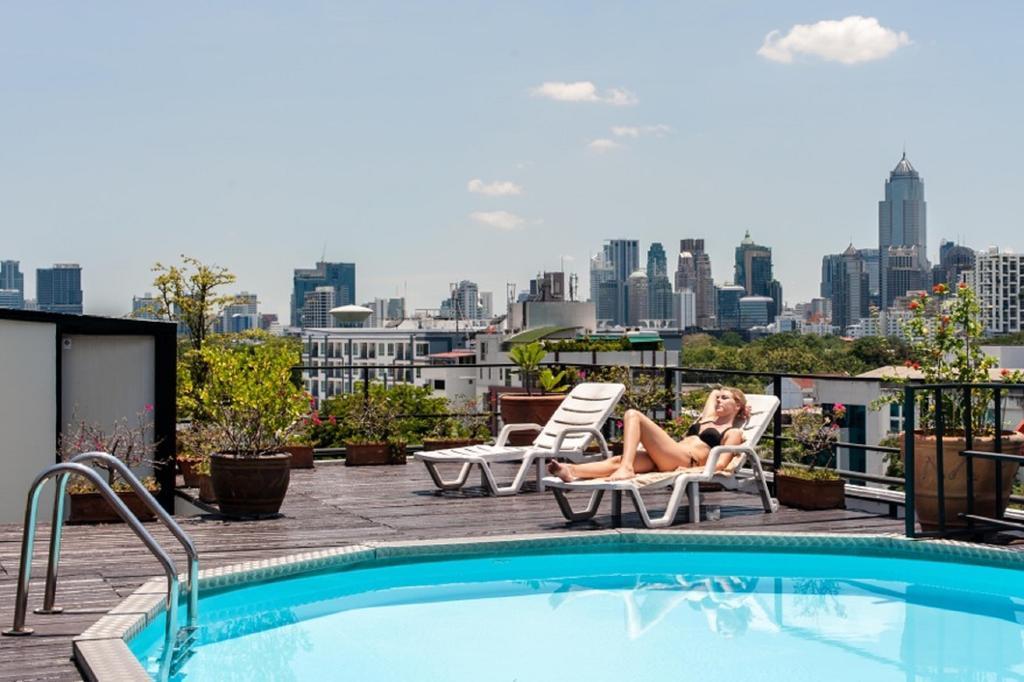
<point x="174" y="130"/>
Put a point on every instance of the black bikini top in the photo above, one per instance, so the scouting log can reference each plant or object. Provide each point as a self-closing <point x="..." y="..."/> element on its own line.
<point x="712" y="436"/>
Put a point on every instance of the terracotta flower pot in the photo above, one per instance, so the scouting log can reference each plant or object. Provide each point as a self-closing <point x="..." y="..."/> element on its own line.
<point x="188" y="474"/>
<point x="302" y="456"/>
<point x="954" y="474"/>
<point x="517" y="408"/>
<point x="206" y="491"/>
<point x="803" y="493"/>
<point x="374" y="454"/>
<point x="250" y="487"/>
<point x="93" y="508"/>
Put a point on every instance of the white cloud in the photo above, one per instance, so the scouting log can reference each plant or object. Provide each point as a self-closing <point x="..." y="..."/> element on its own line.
<point x="501" y="220"/>
<point x="603" y="145"/>
<point x="583" y="91"/>
<point x="498" y="188"/>
<point x="852" y="40"/>
<point x="659" y="130"/>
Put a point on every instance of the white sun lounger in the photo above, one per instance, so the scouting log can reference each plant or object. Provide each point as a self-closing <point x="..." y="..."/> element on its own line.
<point x="762" y="408"/>
<point x="570" y="430"/>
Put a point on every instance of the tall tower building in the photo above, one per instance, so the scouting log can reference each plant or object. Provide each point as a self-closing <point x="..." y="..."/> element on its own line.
<point x="12" y="285"/>
<point x="339" y="276"/>
<point x="754" y="273"/>
<point x="694" y="273"/>
<point x="59" y="289"/>
<point x="846" y="283"/>
<point x="638" y="298"/>
<point x="902" y="224"/>
<point x="659" y="288"/>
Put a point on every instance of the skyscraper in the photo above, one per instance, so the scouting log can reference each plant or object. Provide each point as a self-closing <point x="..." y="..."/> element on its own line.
<point x="601" y="275"/>
<point x="638" y="298"/>
<point x="846" y="284"/>
<point x="754" y="273"/>
<point x="316" y="307"/>
<point x="902" y="224"/>
<point x="12" y="285"/>
<point x="954" y="259"/>
<point x="659" y="288"/>
<point x="339" y="276"/>
<point x="609" y="278"/>
<point x="694" y="273"/>
<point x="729" y="297"/>
<point x="59" y="289"/>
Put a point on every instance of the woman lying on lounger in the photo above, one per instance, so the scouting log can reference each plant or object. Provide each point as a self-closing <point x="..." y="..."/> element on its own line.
<point x="646" y="447"/>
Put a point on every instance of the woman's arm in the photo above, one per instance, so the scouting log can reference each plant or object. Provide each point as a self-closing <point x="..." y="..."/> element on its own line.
<point x="708" y="413"/>
<point x="734" y="437"/>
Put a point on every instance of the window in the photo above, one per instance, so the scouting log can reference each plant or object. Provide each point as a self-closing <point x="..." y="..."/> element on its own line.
<point x="438" y="384"/>
<point x="391" y="349"/>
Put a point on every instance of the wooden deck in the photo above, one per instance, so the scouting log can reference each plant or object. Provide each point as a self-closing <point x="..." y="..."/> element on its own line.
<point x="331" y="506"/>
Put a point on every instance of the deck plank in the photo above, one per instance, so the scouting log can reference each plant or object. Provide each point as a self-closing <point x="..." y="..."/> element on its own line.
<point x="327" y="507"/>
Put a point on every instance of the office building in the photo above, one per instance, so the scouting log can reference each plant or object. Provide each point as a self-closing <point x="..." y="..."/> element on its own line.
<point x="341" y="277"/>
<point x="954" y="260"/>
<point x="12" y="285"/>
<point x="659" y="287"/>
<point x="753" y="272"/>
<point x="549" y="286"/>
<point x="147" y="307"/>
<point x="902" y="225"/>
<point x="754" y="311"/>
<point x="316" y="307"/>
<point x="729" y="296"/>
<point x="998" y="280"/>
<point x="240" y="315"/>
<point x="687" y="308"/>
<point x="638" y="298"/>
<point x="59" y="289"/>
<point x="693" y="272"/>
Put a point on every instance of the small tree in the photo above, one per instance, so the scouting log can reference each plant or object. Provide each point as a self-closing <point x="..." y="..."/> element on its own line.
<point x="188" y="295"/>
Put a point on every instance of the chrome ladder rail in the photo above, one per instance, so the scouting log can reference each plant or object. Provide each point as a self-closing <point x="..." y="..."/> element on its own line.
<point x="170" y="657"/>
<point x="107" y="460"/>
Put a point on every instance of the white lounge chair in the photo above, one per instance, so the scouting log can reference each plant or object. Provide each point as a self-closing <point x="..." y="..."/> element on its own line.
<point x="762" y="408"/>
<point x="570" y="430"/>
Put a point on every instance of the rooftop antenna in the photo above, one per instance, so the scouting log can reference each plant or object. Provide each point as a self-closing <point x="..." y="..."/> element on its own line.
<point x="323" y="254"/>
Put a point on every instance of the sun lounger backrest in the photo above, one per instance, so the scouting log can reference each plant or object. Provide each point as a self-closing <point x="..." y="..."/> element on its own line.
<point x="586" y="405"/>
<point x="762" y="409"/>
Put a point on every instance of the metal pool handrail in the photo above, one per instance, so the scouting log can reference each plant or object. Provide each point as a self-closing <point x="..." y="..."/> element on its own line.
<point x="191" y="578"/>
<point x="28" y="541"/>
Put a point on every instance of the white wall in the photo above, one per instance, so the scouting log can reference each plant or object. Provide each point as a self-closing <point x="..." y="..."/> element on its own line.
<point x="28" y="413"/>
<point x="107" y="378"/>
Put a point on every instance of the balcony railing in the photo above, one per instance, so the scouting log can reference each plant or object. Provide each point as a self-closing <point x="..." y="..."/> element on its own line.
<point x="358" y="378"/>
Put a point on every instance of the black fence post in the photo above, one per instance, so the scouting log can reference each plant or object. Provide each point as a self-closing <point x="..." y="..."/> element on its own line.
<point x="908" y="462"/>
<point x="366" y="385"/>
<point x="777" y="427"/>
<point x="670" y="397"/>
<point x="940" y="474"/>
<point x="998" y="464"/>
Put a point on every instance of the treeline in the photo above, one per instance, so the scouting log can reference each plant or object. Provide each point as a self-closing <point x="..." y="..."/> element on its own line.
<point x="794" y="353"/>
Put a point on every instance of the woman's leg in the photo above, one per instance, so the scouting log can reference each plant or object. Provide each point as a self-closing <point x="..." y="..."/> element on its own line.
<point x="605" y="467"/>
<point x="663" y="452"/>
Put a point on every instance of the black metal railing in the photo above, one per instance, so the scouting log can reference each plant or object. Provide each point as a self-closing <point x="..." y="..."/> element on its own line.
<point x="360" y="378"/>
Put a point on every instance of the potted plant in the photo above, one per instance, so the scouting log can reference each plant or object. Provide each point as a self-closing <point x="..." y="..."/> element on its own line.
<point x="204" y="481"/>
<point x="818" y="486"/>
<point x="127" y="442"/>
<point x="300" y="442"/>
<point x="373" y="437"/>
<point x="945" y="333"/>
<point x="530" y="408"/>
<point x="251" y="406"/>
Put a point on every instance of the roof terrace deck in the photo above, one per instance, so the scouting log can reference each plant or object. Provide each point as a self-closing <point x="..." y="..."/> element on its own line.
<point x="330" y="506"/>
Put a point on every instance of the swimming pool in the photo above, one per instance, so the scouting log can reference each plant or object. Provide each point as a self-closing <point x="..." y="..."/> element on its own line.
<point x="671" y="610"/>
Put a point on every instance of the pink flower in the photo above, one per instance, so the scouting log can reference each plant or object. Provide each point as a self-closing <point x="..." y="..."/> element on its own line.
<point x="332" y="420"/>
<point x="148" y="407"/>
<point x="618" y="423"/>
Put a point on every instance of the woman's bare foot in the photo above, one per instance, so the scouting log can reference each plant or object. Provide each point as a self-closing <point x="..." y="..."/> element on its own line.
<point x="563" y="471"/>
<point x="622" y="473"/>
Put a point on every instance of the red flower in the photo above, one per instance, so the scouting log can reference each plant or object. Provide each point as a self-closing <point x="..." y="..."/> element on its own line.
<point x="940" y="289"/>
<point x="917" y="365"/>
<point x="332" y="420"/>
<point x="914" y="305"/>
<point x="962" y="286"/>
<point x="923" y="296"/>
<point x="1004" y="372"/>
<point x="908" y="363"/>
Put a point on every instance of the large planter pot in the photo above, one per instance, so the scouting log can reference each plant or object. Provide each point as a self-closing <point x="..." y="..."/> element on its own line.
<point x="188" y="474"/>
<point x="516" y="408"/>
<point x="954" y="475"/>
<point x="250" y="487"/>
<point x="803" y="493"/>
<point x="302" y="456"/>
<point x="374" y="454"/>
<point x="431" y="444"/>
<point x="94" y="508"/>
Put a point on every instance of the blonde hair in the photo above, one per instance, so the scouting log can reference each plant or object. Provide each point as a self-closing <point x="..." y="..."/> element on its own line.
<point x="741" y="399"/>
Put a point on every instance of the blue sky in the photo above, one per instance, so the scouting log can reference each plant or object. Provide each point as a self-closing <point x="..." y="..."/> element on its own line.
<point x="260" y="135"/>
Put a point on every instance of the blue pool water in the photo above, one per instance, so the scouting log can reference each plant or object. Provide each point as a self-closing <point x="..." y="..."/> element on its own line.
<point x="612" y="616"/>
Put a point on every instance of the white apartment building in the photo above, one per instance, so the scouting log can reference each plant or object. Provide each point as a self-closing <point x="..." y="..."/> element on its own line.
<point x="316" y="307"/>
<point x="997" y="279"/>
